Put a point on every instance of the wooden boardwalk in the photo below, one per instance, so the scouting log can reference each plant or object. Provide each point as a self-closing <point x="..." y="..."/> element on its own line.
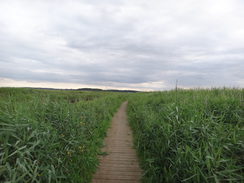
<point x="120" y="165"/>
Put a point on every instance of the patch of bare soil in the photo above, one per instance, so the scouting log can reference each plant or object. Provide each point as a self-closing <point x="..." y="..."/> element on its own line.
<point x="119" y="162"/>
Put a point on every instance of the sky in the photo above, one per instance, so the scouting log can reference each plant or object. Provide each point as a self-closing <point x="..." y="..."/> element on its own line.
<point x="139" y="44"/>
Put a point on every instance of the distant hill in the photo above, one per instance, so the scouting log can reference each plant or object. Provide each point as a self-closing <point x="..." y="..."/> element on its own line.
<point x="90" y="89"/>
<point x="110" y="90"/>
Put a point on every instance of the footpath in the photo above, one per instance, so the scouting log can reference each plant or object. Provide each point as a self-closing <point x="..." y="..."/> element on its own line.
<point x="119" y="164"/>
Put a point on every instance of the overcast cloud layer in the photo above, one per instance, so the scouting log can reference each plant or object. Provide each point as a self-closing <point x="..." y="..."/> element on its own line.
<point x="137" y="44"/>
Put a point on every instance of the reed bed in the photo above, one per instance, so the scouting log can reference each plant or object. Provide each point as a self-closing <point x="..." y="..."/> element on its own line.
<point x="189" y="135"/>
<point x="52" y="136"/>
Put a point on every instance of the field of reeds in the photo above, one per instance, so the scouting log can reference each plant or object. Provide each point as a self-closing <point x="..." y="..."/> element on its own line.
<point x="189" y="135"/>
<point x="52" y="136"/>
<point x="180" y="136"/>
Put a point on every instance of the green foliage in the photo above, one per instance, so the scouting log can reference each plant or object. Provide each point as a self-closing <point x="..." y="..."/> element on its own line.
<point x="181" y="136"/>
<point x="189" y="136"/>
<point x="52" y="136"/>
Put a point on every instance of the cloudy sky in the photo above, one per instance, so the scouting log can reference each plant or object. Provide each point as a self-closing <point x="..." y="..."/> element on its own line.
<point x="138" y="44"/>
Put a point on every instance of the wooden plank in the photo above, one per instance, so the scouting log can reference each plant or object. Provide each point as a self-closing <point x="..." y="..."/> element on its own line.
<point x="112" y="181"/>
<point x="121" y="163"/>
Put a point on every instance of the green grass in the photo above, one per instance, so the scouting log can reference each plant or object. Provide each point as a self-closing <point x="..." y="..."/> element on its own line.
<point x="52" y="136"/>
<point x="189" y="136"/>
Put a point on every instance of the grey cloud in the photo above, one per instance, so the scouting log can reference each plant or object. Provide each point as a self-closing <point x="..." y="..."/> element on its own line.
<point x="118" y="42"/>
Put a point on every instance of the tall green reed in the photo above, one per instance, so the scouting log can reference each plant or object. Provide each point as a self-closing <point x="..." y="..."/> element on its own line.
<point x="189" y="136"/>
<point x="52" y="136"/>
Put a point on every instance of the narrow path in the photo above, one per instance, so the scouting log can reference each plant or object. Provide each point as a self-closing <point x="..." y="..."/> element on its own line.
<point x="120" y="165"/>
